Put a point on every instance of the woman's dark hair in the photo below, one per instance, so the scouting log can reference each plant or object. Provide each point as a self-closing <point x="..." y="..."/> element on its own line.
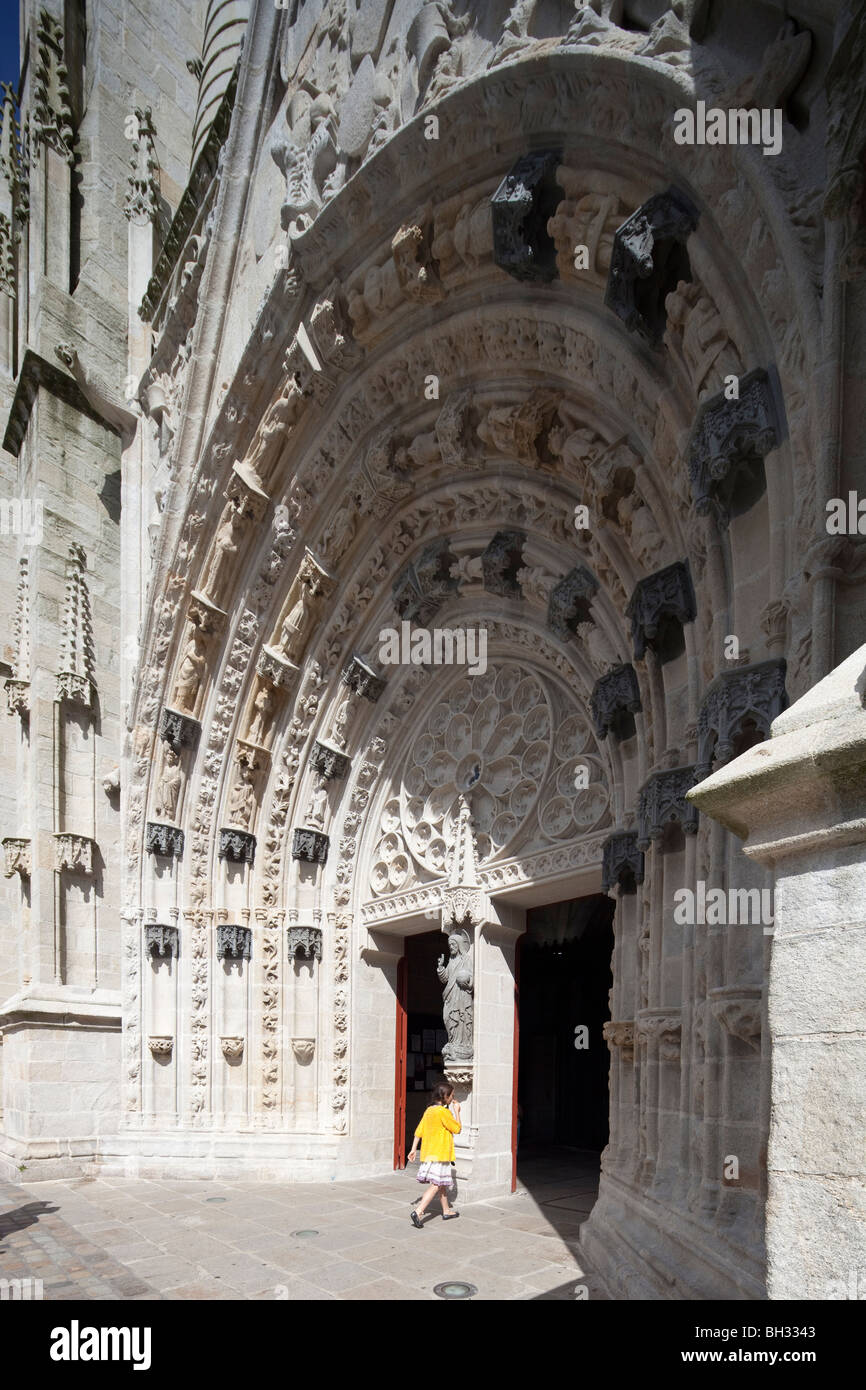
<point x="442" y="1092"/>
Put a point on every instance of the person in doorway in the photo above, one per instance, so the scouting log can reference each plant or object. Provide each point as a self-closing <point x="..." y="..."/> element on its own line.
<point x="439" y="1123"/>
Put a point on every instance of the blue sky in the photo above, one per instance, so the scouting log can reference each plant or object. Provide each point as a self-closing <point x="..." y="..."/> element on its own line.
<point x="9" y="41"/>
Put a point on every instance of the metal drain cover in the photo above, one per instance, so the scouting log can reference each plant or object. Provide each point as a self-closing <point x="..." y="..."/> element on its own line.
<point x="216" y="1199"/>
<point x="305" y="1233"/>
<point x="454" y="1288"/>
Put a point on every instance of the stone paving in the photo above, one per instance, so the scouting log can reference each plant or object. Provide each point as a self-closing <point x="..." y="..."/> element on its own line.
<point x="120" y="1238"/>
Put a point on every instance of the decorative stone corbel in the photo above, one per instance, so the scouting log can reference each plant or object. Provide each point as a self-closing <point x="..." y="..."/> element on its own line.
<point x="160" y="940"/>
<point x="73" y="852"/>
<point x="17" y="857"/>
<point x="662" y="801"/>
<point x="621" y="1035"/>
<point x="738" y="1010"/>
<point x="161" y="1045"/>
<point x="233" y="942"/>
<point x="310" y="846"/>
<point x="622" y="862"/>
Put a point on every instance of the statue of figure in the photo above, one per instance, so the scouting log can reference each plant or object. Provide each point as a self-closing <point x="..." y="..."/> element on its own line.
<point x="292" y="632"/>
<point x="190" y="672"/>
<point x="339" y="727"/>
<point x="263" y="704"/>
<point x="242" y="798"/>
<point x="280" y="416"/>
<point x="168" y="787"/>
<point x="339" y="533"/>
<point x="457" y="979"/>
<point x="316" y="811"/>
<point x="637" y="521"/>
<point x="225" y="548"/>
<point x="706" y="347"/>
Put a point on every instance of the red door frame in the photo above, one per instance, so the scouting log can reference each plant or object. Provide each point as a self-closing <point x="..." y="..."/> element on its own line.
<point x="516" y="1062"/>
<point x="400" y="1065"/>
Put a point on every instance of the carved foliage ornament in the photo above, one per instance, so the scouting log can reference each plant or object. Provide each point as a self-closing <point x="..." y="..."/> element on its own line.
<point x="620" y="1035"/>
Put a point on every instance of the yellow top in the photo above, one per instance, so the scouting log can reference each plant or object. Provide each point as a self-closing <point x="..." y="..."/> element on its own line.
<point x="435" y="1131"/>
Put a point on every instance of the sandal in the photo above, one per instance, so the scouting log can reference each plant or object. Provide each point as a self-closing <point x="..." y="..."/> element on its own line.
<point x="416" y="1221"/>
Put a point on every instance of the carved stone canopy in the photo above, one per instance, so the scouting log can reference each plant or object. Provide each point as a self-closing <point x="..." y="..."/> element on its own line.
<point x="615" y="696"/>
<point x="276" y="669"/>
<point x="178" y="730"/>
<point x="310" y="846"/>
<point x="746" y="694"/>
<point x="238" y="846"/>
<point x="622" y="862"/>
<point x="305" y="941"/>
<point x="569" y="604"/>
<point x="166" y="840"/>
<point x="425" y="583"/>
<point x="160" y="940"/>
<point x="233" y="942"/>
<point x="731" y="439"/>
<point x="522" y="206"/>
<point x="74" y="689"/>
<point x="463" y="899"/>
<point x="662" y="802"/>
<point x="358" y="676"/>
<point x="17" y="857"/>
<point x="661" y="600"/>
<point x="73" y="852"/>
<point x="329" y="762"/>
<point x="501" y="561"/>
<point x="648" y="261"/>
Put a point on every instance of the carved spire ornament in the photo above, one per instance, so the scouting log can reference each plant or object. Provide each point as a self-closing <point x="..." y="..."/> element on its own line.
<point x="75" y="678"/>
<point x="142" y="196"/>
<point x="52" y="112"/>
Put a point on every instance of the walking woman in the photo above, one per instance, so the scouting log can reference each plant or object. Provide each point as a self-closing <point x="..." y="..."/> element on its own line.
<point x="436" y="1134"/>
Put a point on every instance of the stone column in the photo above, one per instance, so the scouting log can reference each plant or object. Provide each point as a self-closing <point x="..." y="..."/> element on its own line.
<point x="797" y="801"/>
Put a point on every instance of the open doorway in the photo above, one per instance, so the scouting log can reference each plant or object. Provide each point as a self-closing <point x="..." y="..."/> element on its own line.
<point x="421" y="1035"/>
<point x="563" y="1060"/>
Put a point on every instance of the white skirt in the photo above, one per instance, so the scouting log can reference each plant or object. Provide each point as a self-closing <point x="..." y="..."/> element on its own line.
<point x="441" y="1174"/>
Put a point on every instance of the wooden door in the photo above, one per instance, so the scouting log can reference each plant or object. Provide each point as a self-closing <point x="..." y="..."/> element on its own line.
<point x="400" y="1066"/>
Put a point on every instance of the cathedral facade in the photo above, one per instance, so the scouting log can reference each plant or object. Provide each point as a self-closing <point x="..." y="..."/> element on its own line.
<point x="423" y="430"/>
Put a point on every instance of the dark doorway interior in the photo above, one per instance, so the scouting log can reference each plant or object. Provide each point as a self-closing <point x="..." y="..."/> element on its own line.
<point x="564" y="983"/>
<point x="425" y="1032"/>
